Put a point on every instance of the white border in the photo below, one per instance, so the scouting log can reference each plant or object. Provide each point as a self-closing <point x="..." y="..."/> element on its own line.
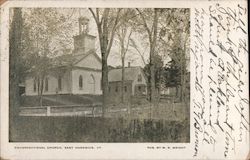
<point x="109" y="150"/>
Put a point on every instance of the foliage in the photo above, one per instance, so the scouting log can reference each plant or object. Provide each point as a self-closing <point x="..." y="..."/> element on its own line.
<point x="172" y="74"/>
<point x="43" y="34"/>
<point x="15" y="37"/>
<point x="158" y="70"/>
<point x="167" y="35"/>
<point x="159" y="36"/>
<point x="123" y="34"/>
<point x="84" y="129"/>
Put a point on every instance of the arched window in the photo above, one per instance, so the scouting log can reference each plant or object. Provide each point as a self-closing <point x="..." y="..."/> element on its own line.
<point x="59" y="83"/>
<point x="116" y="89"/>
<point x="125" y="88"/>
<point x="34" y="85"/>
<point x="139" y="88"/>
<point x="91" y="79"/>
<point x="80" y="82"/>
<point x="91" y="84"/>
<point x="46" y="84"/>
<point x="139" y="78"/>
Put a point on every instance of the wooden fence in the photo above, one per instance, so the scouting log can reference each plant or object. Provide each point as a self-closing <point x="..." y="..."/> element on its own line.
<point x="92" y="110"/>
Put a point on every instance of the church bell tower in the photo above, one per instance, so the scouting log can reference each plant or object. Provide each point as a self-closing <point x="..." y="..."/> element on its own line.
<point x="84" y="42"/>
<point x="83" y="25"/>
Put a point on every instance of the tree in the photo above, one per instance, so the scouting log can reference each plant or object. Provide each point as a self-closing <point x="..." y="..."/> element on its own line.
<point x="15" y="37"/>
<point x="139" y="51"/>
<point x="172" y="39"/>
<point x="172" y="75"/>
<point x="124" y="32"/>
<point x="178" y="41"/>
<point x="44" y="29"/>
<point x="186" y="43"/>
<point x="152" y="37"/>
<point x="158" y="70"/>
<point x="107" y="22"/>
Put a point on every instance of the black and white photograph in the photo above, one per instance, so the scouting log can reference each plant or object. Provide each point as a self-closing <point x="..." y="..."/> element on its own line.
<point x="122" y="79"/>
<point x="99" y="75"/>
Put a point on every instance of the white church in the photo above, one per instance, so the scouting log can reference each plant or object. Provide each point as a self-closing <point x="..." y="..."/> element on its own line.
<point x="77" y="73"/>
<point x="80" y="72"/>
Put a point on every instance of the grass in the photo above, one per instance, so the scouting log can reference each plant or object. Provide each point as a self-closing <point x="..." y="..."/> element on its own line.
<point x="83" y="129"/>
<point x="165" y="122"/>
<point x="165" y="111"/>
<point x="32" y="101"/>
<point x="54" y="100"/>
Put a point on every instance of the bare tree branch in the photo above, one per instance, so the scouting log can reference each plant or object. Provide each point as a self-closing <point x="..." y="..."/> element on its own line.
<point x="93" y="14"/>
<point x="98" y="15"/>
<point x="126" y="49"/>
<point x="145" y="24"/>
<point x="141" y="54"/>
<point x="113" y="32"/>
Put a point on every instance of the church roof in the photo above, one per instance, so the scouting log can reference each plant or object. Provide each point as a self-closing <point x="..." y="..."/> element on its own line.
<point x="72" y="59"/>
<point x="130" y="74"/>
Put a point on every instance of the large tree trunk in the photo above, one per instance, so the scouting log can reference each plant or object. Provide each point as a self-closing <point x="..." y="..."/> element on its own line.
<point x="152" y="83"/>
<point x="15" y="49"/>
<point x="104" y="85"/>
<point x="106" y="37"/>
<point x="159" y="85"/>
<point x="152" y="57"/>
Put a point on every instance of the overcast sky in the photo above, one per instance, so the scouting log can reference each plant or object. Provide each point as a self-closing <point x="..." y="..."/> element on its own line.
<point x="114" y="59"/>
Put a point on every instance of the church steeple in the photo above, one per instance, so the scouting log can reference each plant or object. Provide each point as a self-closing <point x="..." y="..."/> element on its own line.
<point x="83" y="25"/>
<point x="83" y="42"/>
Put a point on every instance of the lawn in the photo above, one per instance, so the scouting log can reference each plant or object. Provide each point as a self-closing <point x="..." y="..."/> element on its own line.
<point x="137" y="122"/>
<point x="87" y="129"/>
<point x="33" y="101"/>
<point x="64" y="99"/>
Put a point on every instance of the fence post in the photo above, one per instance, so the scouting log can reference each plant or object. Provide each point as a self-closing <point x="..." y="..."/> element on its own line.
<point x="48" y="110"/>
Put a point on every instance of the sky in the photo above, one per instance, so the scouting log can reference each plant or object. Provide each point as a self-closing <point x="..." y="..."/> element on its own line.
<point x="114" y="59"/>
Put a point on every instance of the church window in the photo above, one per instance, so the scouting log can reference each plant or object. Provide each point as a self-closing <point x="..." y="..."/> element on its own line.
<point x="46" y="84"/>
<point x="80" y="82"/>
<point x="116" y="89"/>
<point x="91" y="79"/>
<point x="125" y="88"/>
<point x="59" y="83"/>
<point x="139" y="78"/>
<point x="101" y="84"/>
<point x="139" y="88"/>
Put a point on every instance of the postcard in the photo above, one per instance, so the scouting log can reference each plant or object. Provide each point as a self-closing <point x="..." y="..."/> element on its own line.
<point x="124" y="79"/>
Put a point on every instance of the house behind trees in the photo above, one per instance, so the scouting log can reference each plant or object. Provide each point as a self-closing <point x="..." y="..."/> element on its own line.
<point x="135" y="83"/>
